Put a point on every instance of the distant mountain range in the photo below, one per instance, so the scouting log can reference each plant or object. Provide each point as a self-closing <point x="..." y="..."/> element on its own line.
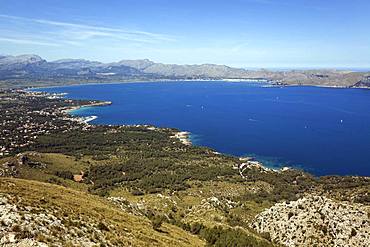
<point x="32" y="70"/>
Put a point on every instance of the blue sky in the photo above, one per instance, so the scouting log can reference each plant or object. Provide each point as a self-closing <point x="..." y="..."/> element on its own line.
<point x="243" y="33"/>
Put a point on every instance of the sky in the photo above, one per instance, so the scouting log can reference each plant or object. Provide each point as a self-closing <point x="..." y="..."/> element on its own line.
<point x="241" y="33"/>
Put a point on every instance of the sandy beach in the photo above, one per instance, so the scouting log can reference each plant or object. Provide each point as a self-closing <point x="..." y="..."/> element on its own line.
<point x="183" y="136"/>
<point x="71" y="109"/>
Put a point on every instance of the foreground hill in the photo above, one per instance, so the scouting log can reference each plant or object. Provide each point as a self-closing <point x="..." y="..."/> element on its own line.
<point x="32" y="70"/>
<point x="42" y="214"/>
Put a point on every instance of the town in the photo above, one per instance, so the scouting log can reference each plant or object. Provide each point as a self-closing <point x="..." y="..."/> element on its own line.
<point x="25" y="115"/>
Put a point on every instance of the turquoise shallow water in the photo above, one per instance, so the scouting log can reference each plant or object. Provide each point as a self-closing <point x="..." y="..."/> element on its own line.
<point x="322" y="130"/>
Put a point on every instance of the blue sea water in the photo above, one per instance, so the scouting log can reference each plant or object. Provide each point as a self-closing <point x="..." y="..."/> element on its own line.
<point x="321" y="130"/>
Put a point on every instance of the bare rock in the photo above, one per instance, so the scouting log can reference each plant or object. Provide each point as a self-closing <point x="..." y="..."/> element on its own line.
<point x="315" y="221"/>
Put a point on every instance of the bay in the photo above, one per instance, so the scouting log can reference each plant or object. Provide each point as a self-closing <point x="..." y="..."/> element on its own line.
<point x="324" y="131"/>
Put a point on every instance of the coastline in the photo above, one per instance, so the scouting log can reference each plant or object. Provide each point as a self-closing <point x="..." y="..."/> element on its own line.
<point x="319" y="86"/>
<point x="85" y="120"/>
<point x="183" y="136"/>
<point x="70" y="109"/>
<point x="89" y="119"/>
<point x="270" y="82"/>
<point x="30" y="88"/>
<point x="217" y="180"/>
<point x="74" y="108"/>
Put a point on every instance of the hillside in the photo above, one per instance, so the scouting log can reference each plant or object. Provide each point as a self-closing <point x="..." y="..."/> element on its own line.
<point x="41" y="214"/>
<point x="32" y="70"/>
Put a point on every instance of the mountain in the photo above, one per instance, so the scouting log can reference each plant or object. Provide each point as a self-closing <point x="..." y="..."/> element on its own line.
<point x="196" y="71"/>
<point x="20" y="60"/>
<point x="17" y="64"/>
<point x="32" y="70"/>
<point x="140" y="64"/>
<point x="74" y="63"/>
<point x="20" y="67"/>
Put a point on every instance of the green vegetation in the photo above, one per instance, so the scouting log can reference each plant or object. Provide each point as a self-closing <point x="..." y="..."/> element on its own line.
<point x="220" y="237"/>
<point x="143" y="160"/>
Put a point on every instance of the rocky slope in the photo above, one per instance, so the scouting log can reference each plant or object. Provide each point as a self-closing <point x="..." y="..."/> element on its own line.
<point x="40" y="214"/>
<point x="364" y="82"/>
<point x="315" y="221"/>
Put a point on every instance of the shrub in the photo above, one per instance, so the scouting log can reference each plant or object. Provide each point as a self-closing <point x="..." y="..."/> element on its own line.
<point x="137" y="192"/>
<point x="219" y="236"/>
<point x="64" y="174"/>
<point x="103" y="227"/>
<point x="157" y="222"/>
<point x="54" y="180"/>
<point x="196" y="228"/>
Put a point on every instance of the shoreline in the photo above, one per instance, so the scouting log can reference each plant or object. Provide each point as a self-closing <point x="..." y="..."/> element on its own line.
<point x="87" y="119"/>
<point x="229" y="80"/>
<point x="183" y="136"/>
<point x="69" y="110"/>
<point x="226" y="80"/>
<point x="320" y="86"/>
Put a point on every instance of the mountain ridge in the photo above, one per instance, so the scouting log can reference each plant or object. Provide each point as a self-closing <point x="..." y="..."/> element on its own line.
<point x="33" y="70"/>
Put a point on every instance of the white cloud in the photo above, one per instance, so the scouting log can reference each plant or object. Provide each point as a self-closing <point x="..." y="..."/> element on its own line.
<point x="27" y="42"/>
<point x="72" y="33"/>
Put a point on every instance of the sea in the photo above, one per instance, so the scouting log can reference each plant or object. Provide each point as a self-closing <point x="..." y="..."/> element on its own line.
<point x="325" y="131"/>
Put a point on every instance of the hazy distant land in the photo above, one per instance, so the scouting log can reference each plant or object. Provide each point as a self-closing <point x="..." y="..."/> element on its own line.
<point x="32" y="70"/>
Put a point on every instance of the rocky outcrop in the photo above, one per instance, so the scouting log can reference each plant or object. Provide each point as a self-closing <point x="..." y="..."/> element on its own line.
<point x="135" y="208"/>
<point x="31" y="226"/>
<point x="363" y="83"/>
<point x="8" y="169"/>
<point x="315" y="221"/>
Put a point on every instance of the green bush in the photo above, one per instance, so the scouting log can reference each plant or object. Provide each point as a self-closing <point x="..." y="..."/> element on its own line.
<point x="221" y="237"/>
<point x="64" y="174"/>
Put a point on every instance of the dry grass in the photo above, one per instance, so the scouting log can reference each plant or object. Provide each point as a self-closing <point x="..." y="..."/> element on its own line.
<point x="125" y="229"/>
